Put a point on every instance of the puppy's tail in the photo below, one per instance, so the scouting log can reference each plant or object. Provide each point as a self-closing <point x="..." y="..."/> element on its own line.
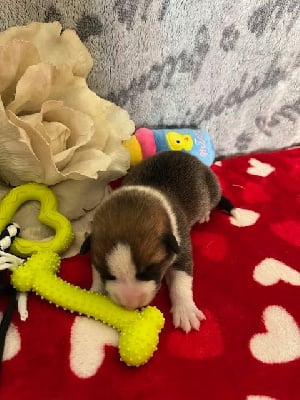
<point x="225" y="205"/>
<point x="238" y="216"/>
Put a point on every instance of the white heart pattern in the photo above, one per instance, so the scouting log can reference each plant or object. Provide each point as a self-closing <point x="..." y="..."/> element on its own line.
<point x="271" y="271"/>
<point x="281" y="342"/>
<point x="218" y="163"/>
<point x="258" y="397"/>
<point x="259" y="168"/>
<point x="88" y="341"/>
<point x="12" y="342"/>
<point x="241" y="217"/>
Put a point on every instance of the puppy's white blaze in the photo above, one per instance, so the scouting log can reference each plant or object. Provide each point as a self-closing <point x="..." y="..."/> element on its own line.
<point x="120" y="262"/>
<point x="164" y="202"/>
<point x="126" y="289"/>
<point x="131" y="294"/>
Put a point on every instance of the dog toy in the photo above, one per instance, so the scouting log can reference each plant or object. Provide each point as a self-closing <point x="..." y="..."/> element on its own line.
<point x="139" y="330"/>
<point x="145" y="143"/>
<point x="49" y="216"/>
<point x="7" y="237"/>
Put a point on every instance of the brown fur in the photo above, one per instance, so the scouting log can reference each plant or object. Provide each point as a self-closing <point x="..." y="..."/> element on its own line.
<point x="189" y="184"/>
<point x="113" y="223"/>
<point x="140" y="220"/>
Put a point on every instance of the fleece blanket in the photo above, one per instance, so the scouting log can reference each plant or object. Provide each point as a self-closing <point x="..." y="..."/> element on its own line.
<point x="229" y="67"/>
<point x="247" y="282"/>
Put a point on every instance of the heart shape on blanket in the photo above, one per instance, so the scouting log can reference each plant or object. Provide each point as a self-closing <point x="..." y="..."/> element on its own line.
<point x="270" y="271"/>
<point x="281" y="342"/>
<point x="259" y="168"/>
<point x="258" y="397"/>
<point x="12" y="342"/>
<point x="88" y="341"/>
<point x="199" y="345"/>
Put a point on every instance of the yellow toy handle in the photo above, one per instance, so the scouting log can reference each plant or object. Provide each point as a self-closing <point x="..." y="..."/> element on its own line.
<point x="49" y="215"/>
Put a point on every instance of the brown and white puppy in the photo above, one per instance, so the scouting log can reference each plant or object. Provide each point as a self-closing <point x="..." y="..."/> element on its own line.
<point x="141" y="233"/>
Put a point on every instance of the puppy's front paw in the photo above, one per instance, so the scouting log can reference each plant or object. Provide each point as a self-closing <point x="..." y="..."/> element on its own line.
<point x="187" y="316"/>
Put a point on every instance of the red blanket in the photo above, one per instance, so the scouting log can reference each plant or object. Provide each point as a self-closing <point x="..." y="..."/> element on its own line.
<point x="246" y="280"/>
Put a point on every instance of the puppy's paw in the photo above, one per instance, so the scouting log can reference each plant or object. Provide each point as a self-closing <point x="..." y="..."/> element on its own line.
<point x="205" y="218"/>
<point x="187" y="316"/>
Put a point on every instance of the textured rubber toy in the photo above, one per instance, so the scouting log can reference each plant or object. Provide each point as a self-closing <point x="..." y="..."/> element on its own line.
<point x="139" y="330"/>
<point x="49" y="215"/>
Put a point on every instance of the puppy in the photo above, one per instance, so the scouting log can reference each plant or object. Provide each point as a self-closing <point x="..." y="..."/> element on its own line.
<point x="141" y="233"/>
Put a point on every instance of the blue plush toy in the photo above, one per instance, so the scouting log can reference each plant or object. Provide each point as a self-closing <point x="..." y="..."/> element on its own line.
<point x="145" y="143"/>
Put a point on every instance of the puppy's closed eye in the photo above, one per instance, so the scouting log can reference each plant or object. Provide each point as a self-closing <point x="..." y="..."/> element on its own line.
<point x="107" y="276"/>
<point x="151" y="273"/>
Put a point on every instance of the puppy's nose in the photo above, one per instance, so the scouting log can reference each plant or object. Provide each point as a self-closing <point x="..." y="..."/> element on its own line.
<point x="132" y="303"/>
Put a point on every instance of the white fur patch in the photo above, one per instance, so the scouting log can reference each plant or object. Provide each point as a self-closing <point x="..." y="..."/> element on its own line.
<point x="126" y="289"/>
<point x="120" y="262"/>
<point x="164" y="202"/>
<point x="186" y="315"/>
<point x="242" y="218"/>
<point x="131" y="294"/>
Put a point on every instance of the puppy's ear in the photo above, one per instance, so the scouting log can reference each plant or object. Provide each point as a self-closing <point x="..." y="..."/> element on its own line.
<point x="170" y="242"/>
<point x="86" y="245"/>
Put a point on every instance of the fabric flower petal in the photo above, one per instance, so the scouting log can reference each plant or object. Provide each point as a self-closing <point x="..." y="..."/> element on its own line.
<point x="86" y="162"/>
<point x="49" y="174"/>
<point x="39" y="83"/>
<point x="18" y="163"/>
<point x="15" y="58"/>
<point x="53" y="46"/>
<point x="88" y="194"/>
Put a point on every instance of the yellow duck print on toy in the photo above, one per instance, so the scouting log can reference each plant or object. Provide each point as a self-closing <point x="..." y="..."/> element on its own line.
<point x="177" y="141"/>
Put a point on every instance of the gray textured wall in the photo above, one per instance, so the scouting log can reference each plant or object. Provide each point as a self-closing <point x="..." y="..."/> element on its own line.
<point x="227" y="66"/>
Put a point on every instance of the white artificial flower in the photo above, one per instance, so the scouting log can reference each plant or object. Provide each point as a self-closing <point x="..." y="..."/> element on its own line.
<point x="53" y="128"/>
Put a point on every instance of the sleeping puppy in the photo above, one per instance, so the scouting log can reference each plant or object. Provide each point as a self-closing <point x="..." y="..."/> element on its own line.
<point x="141" y="233"/>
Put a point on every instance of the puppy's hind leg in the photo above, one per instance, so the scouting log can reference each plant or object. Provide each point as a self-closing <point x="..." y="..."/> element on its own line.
<point x="204" y="212"/>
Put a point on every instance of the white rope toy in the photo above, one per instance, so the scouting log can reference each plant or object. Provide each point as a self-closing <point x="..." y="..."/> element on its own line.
<point x="10" y="261"/>
<point x="7" y="260"/>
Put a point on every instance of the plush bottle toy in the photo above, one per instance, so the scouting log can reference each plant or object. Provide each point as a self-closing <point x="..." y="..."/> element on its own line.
<point x="146" y="142"/>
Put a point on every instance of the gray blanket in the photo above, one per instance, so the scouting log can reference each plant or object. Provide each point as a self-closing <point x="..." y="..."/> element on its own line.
<point x="230" y="67"/>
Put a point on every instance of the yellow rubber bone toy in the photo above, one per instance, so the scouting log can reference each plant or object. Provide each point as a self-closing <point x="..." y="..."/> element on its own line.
<point x="139" y="330"/>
